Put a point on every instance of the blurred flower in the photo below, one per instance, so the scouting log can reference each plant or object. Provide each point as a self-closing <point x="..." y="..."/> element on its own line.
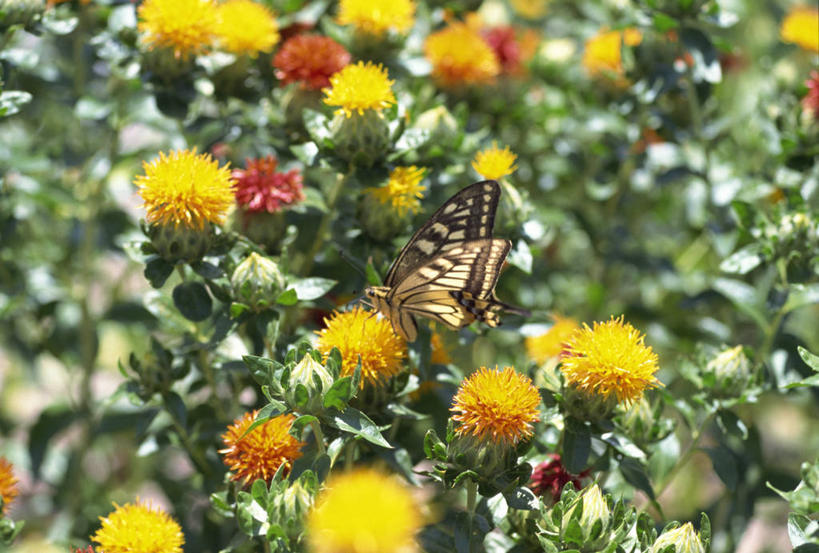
<point x="259" y="187"/>
<point x="139" y="528"/>
<point x="309" y="60"/>
<point x="603" y="52"/>
<point x="257" y="281"/>
<point x="360" y="87"/>
<point x="459" y="55"/>
<point x="513" y="47"/>
<point x="20" y="12"/>
<point x="89" y="549"/>
<point x="402" y="191"/>
<point x="260" y="452"/>
<point x="549" y="478"/>
<point x="810" y="102"/>
<point x="801" y="27"/>
<point x="363" y="511"/>
<point x="377" y="17"/>
<point x="610" y="360"/>
<point x="439" y="354"/>
<point x="683" y="538"/>
<point x="246" y="27"/>
<point x="494" y="163"/>
<point x="8" y="484"/>
<point x="183" y="188"/>
<point x="359" y="333"/>
<point x="496" y="405"/>
<point x="529" y="9"/>
<point x="184" y="26"/>
<point x="557" y="50"/>
<point x="552" y="343"/>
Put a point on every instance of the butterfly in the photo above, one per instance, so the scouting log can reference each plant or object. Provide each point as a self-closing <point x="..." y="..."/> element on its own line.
<point x="448" y="270"/>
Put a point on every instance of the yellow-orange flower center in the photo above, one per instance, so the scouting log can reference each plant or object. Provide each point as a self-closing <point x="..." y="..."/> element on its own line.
<point x="185" y="26"/>
<point x="139" y="528"/>
<point x="459" y="55"/>
<point x="8" y="483"/>
<point x="494" y="163"/>
<point x="552" y="343"/>
<point x="403" y="190"/>
<point x="246" y="27"/>
<point x="377" y="17"/>
<point x="360" y="87"/>
<point x="603" y="53"/>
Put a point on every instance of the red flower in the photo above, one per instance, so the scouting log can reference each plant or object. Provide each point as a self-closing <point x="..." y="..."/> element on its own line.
<point x="511" y="47"/>
<point x="811" y="100"/>
<point x="550" y="477"/>
<point x="260" y="188"/>
<point x="310" y="60"/>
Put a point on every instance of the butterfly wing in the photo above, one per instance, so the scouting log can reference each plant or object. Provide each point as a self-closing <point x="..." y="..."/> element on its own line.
<point x="468" y="215"/>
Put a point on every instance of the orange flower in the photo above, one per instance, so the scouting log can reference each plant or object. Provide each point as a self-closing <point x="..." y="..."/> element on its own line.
<point x="459" y="55"/>
<point x="8" y="484"/>
<point x="553" y="342"/>
<point x="603" y="54"/>
<point x="310" y="60"/>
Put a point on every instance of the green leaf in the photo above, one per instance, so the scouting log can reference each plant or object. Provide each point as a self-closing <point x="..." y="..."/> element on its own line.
<point x="192" y="300"/>
<point x="373" y="279"/>
<point x="288" y="297"/>
<point x="576" y="447"/>
<point x="339" y="393"/>
<point x="12" y="100"/>
<point x="724" y="465"/>
<point x="258" y="491"/>
<point x="743" y="260"/>
<point x="312" y="288"/>
<point x="157" y="271"/>
<point x="634" y="473"/>
<point x="207" y="270"/>
<point x="434" y="448"/>
<point x="664" y="23"/>
<point x="522" y="498"/>
<point x="176" y="407"/>
<point x="52" y="421"/>
<point x="358" y="424"/>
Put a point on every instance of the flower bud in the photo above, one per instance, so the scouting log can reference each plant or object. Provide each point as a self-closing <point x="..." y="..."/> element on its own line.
<point x="361" y="138"/>
<point x="257" y="282"/>
<point x="440" y="123"/>
<point x="595" y="509"/>
<point x="308" y="382"/>
<point x="164" y="65"/>
<point x="588" y="406"/>
<point x="263" y="228"/>
<point x="731" y="370"/>
<point x="20" y="12"/>
<point x="179" y="242"/>
<point x="378" y="219"/>
<point x="683" y="538"/>
<point x="487" y="458"/>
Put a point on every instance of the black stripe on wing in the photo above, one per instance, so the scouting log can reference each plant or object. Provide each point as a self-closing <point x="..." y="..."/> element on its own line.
<point x="466" y="216"/>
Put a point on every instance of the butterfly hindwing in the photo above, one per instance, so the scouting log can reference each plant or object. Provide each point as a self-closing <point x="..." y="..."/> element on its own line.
<point x="468" y="215"/>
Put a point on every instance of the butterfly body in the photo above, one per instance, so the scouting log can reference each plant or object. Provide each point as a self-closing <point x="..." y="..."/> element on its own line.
<point x="448" y="270"/>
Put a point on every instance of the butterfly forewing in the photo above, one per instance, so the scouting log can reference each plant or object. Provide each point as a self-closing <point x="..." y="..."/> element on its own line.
<point x="468" y="215"/>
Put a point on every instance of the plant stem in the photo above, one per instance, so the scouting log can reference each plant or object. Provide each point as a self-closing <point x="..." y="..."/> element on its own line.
<point x="684" y="458"/>
<point x="305" y="263"/>
<point x="471" y="503"/>
<point x="318" y="436"/>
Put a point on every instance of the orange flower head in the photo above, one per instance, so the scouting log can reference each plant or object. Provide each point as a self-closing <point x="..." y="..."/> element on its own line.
<point x="8" y="484"/>
<point x="494" y="163"/>
<point x="359" y="87"/>
<point x="260" y="452"/>
<point x="310" y="60"/>
<point x="246" y="27"/>
<point x="139" y="528"/>
<point x="553" y="342"/>
<point x="187" y="27"/>
<point x="603" y="53"/>
<point x="377" y="18"/>
<point x="460" y="56"/>
<point x="260" y="188"/>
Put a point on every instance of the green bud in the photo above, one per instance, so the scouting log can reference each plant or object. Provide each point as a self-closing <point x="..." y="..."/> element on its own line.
<point x="482" y="455"/>
<point x="379" y="220"/>
<point x="731" y="371"/>
<point x="311" y="376"/>
<point x="181" y="243"/>
<point x="20" y="12"/>
<point x="441" y="124"/>
<point x="257" y="282"/>
<point x="595" y="508"/>
<point x="588" y="407"/>
<point x="164" y="64"/>
<point x="295" y="101"/>
<point x="265" y="229"/>
<point x="683" y="538"/>
<point x="361" y="139"/>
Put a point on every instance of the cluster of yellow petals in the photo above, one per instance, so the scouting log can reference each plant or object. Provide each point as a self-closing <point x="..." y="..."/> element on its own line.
<point x="364" y="511"/>
<point x="358" y="87"/>
<point x="801" y="27"/>
<point x="403" y="191"/>
<point x="603" y="52"/>
<point x="187" y="27"/>
<point x="496" y="405"/>
<point x="529" y="9"/>
<point x="8" y="483"/>
<point x="460" y="56"/>
<point x="139" y="528"/>
<point x="183" y="188"/>
<point x="610" y="359"/>
<point x="552" y="343"/>
<point x="260" y="452"/>
<point x="359" y="333"/>
<point x="439" y="354"/>
<point x="684" y="539"/>
<point x="377" y="17"/>
<point x="494" y="163"/>
<point x="246" y="27"/>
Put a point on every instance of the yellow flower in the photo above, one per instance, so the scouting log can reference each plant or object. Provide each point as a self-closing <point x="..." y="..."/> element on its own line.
<point x="529" y="9"/>
<point x="183" y="188"/>
<point x="359" y="333"/>
<point x="603" y="52"/>
<point x="8" y="484"/>
<point x="610" y="359"/>
<point x="684" y="539"/>
<point x="439" y="354"/>
<point x="496" y="405"/>
<point x="553" y="342"/>
<point x="364" y="511"/>
<point x="801" y="26"/>
<point x="138" y="528"/>
<point x="259" y="453"/>
<point x="377" y="17"/>
<point x="245" y="27"/>
<point x="494" y="163"/>
<point x="459" y="55"/>
<point x="184" y="26"/>
<point x="359" y="87"/>
<point x="403" y="191"/>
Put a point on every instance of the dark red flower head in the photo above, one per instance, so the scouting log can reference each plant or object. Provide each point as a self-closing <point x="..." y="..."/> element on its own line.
<point x="310" y="60"/>
<point x="260" y="188"/>
<point x="512" y="46"/>
<point x="811" y="100"/>
<point x="550" y="476"/>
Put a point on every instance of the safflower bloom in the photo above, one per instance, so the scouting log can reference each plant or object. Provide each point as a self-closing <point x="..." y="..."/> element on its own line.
<point x="494" y="163"/>
<point x="309" y="60"/>
<point x="185" y="26"/>
<point x="360" y="87"/>
<point x="359" y="333"/>
<point x="8" y="484"/>
<point x="183" y="188"/>
<point x="439" y="354"/>
<point x="260" y="188"/>
<point x="529" y="9"/>
<point x="246" y="27"/>
<point x="403" y="190"/>
<point x="460" y="55"/>
<point x="139" y="528"/>
<point x="364" y="511"/>
<point x="377" y="18"/>
<point x="801" y="27"/>
<point x="811" y="100"/>
<point x="552" y="343"/>
<point x="610" y="360"/>
<point x="512" y="46"/>
<point x="549" y="478"/>
<point x="260" y="453"/>
<point x="496" y="405"/>
<point x="603" y="52"/>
